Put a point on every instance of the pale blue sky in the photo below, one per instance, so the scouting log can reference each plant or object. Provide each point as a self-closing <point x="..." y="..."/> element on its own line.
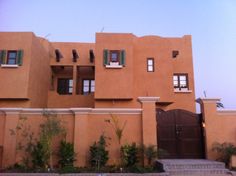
<point x="212" y="24"/>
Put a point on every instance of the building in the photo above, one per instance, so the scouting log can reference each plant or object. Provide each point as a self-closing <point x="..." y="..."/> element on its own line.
<point x="85" y="83"/>
<point x="110" y="73"/>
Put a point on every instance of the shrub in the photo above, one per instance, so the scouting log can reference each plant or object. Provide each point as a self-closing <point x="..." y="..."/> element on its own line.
<point x="129" y="155"/>
<point x="150" y="152"/>
<point x="40" y="156"/>
<point x="66" y="154"/>
<point x="98" y="153"/>
<point x="225" y="151"/>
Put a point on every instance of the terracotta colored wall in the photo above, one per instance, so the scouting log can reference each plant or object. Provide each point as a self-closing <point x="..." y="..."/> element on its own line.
<point x="117" y="83"/>
<point x="142" y="83"/>
<point x="15" y="82"/>
<point x="39" y="75"/>
<point x="83" y="125"/>
<point x="220" y="125"/>
<point x="2" y="125"/>
<point x="66" y="101"/>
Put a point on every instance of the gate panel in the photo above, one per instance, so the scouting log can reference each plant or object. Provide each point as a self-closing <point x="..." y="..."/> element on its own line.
<point x="179" y="133"/>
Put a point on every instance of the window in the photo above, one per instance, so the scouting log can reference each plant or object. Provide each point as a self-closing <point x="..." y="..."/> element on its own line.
<point x="65" y="86"/>
<point x="11" y="57"/>
<point x="175" y="53"/>
<point x="150" y="65"/>
<point x="88" y="86"/>
<point x="180" y="81"/>
<point x="114" y="58"/>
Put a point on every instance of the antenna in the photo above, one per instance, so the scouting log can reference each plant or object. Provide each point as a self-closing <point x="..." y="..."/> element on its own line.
<point x="102" y="29"/>
<point x="47" y="35"/>
<point x="204" y="92"/>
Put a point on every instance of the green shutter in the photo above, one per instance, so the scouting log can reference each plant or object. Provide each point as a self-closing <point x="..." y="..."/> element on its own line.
<point x="122" y="61"/>
<point x="3" y="57"/>
<point x="105" y="56"/>
<point x="20" y="57"/>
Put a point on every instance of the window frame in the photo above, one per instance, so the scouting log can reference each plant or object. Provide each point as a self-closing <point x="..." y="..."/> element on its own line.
<point x="118" y="56"/>
<point x="89" y="86"/>
<point x="152" y="65"/>
<point x="178" y="80"/>
<point x="8" y="54"/>
<point x="67" y="88"/>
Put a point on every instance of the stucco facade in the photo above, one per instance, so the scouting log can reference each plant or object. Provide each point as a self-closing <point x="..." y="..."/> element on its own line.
<point x="84" y="83"/>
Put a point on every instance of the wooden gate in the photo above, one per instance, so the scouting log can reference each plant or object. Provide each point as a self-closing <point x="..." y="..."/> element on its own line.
<point x="180" y="134"/>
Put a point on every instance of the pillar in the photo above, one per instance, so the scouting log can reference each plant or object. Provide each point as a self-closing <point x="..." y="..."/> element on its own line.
<point x="9" y="139"/>
<point x="149" y="131"/>
<point x="81" y="130"/>
<point x="209" y="111"/>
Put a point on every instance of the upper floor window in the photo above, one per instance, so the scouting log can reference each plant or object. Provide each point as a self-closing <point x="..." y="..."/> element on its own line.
<point x="180" y="81"/>
<point x="65" y="86"/>
<point x="88" y="86"/>
<point x="114" y="58"/>
<point x="150" y="65"/>
<point x="11" y="57"/>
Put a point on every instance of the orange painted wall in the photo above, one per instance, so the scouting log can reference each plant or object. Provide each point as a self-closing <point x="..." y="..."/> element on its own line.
<point x="117" y="83"/>
<point x="220" y="125"/>
<point x="15" y="82"/>
<point x="39" y="78"/>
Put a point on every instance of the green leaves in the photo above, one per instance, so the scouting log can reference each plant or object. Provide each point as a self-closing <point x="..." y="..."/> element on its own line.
<point x="98" y="153"/>
<point x="224" y="150"/>
<point x="129" y="155"/>
<point x="66" y="154"/>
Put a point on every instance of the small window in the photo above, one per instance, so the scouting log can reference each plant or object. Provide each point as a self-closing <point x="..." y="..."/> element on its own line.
<point x="114" y="58"/>
<point x="150" y="65"/>
<point x="11" y="57"/>
<point x="65" y="86"/>
<point x="180" y="81"/>
<point x="175" y="53"/>
<point x="88" y="86"/>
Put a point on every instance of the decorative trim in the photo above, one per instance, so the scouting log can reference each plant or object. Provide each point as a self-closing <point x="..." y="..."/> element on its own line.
<point x="207" y="100"/>
<point x="11" y="110"/>
<point x="114" y="66"/>
<point x="183" y="91"/>
<point x="81" y="110"/>
<point x="72" y="110"/>
<point x="116" y="111"/>
<point x="227" y="112"/>
<point x="9" y="66"/>
<point x="148" y="99"/>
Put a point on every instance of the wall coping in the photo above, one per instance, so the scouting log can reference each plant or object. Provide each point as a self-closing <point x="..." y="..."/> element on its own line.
<point x="208" y="100"/>
<point x="148" y="99"/>
<point x="72" y="110"/>
<point x="226" y="112"/>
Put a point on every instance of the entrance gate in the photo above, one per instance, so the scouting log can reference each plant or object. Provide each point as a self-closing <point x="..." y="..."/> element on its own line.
<point x="179" y="134"/>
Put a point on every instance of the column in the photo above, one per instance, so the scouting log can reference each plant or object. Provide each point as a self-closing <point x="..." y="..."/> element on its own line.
<point x="81" y="130"/>
<point x="149" y="132"/>
<point x="209" y="111"/>
<point x="9" y="140"/>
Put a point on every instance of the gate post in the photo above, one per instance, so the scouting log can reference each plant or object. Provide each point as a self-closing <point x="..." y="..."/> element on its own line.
<point x="149" y="120"/>
<point x="209" y="112"/>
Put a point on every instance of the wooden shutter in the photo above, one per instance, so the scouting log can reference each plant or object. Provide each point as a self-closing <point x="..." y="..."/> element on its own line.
<point x="3" y="57"/>
<point x="122" y="59"/>
<point x="105" y="57"/>
<point x="20" y="57"/>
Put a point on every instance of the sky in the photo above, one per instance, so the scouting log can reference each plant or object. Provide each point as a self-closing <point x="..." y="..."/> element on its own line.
<point x="212" y="24"/>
